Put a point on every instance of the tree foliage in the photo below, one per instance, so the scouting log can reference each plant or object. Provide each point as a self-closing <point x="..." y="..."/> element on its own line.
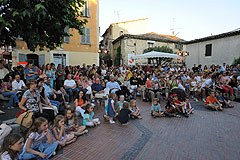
<point x="236" y="61"/>
<point x="159" y="49"/>
<point x="118" y="57"/>
<point x="39" y="22"/>
<point x="107" y="57"/>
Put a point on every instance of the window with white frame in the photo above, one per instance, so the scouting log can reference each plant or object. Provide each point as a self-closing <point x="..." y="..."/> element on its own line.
<point x="66" y="38"/>
<point x="86" y="9"/>
<point x="150" y="45"/>
<point x="85" y="38"/>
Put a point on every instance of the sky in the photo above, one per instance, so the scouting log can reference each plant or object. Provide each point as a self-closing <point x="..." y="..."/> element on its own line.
<point x="192" y="19"/>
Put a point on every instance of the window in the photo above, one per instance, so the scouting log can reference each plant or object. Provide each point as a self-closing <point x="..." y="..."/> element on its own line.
<point x="85" y="38"/>
<point x="66" y="38"/>
<point x="208" y="51"/>
<point x="86" y="9"/>
<point x="150" y="45"/>
<point x="179" y="46"/>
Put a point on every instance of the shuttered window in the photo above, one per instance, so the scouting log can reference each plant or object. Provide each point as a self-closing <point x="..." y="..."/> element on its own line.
<point x="85" y="38"/>
<point x="86" y="9"/>
<point x="208" y="51"/>
<point x="22" y="57"/>
<point x="41" y="59"/>
<point x="66" y="38"/>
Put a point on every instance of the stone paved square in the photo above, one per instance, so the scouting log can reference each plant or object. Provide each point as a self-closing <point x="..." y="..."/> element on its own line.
<point x="204" y="135"/>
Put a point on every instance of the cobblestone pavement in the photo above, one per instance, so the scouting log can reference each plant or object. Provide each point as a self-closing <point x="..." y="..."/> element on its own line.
<point x="205" y="135"/>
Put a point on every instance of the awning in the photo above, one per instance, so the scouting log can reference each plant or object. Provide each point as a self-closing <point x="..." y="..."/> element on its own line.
<point x="154" y="54"/>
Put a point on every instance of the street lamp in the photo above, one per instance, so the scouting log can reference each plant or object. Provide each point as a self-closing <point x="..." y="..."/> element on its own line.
<point x="183" y="54"/>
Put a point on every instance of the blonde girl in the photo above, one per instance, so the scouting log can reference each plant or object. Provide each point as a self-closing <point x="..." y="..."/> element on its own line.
<point x="135" y="110"/>
<point x="35" y="147"/>
<point x="59" y="134"/>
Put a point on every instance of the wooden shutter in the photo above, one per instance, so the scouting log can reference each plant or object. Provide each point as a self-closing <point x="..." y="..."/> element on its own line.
<point x="83" y="37"/>
<point x="41" y="59"/>
<point x="22" y="57"/>
<point x="66" y="38"/>
<point x="88" y="8"/>
<point x="88" y="35"/>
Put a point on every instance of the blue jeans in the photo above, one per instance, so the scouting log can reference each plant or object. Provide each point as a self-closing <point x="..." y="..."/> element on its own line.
<point x="55" y="103"/>
<point x="46" y="148"/>
<point x="13" y="98"/>
<point x="71" y="92"/>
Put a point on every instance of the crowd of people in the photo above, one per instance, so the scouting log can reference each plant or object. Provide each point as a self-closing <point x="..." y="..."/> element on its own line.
<point x="58" y="96"/>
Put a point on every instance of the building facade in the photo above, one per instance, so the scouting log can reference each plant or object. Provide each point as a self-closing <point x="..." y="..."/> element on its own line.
<point x="136" y="44"/>
<point x="115" y="30"/>
<point x="217" y="49"/>
<point x="76" y="50"/>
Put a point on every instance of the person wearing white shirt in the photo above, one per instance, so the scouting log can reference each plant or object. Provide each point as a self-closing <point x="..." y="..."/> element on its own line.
<point x="207" y="85"/>
<point x="17" y="84"/>
<point x="71" y="87"/>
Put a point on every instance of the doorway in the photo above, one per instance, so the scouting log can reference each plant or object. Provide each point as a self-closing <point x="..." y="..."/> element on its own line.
<point x="33" y="59"/>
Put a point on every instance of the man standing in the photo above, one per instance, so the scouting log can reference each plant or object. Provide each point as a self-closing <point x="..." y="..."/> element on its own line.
<point x="133" y="84"/>
<point x="60" y="76"/>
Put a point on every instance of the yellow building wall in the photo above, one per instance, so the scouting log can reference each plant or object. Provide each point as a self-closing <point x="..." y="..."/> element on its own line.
<point x="78" y="53"/>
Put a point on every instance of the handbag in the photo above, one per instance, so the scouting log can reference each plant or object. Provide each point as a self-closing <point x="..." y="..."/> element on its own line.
<point x="25" y="119"/>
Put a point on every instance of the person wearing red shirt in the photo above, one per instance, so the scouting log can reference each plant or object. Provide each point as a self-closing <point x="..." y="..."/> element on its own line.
<point x="180" y="106"/>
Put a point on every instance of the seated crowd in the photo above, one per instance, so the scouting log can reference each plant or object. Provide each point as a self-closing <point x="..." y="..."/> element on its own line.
<point x="58" y="97"/>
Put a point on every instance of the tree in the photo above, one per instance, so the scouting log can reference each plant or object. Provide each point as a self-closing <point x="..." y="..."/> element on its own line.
<point x="40" y="23"/>
<point x="236" y="61"/>
<point x="118" y="57"/>
<point x="107" y="57"/>
<point x="159" y="49"/>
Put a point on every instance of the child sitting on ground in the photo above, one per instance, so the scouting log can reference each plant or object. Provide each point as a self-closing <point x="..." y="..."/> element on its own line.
<point x="88" y="117"/>
<point x="179" y="105"/>
<point x="156" y="110"/>
<point x="171" y="109"/>
<point x="212" y="103"/>
<point x="225" y="103"/>
<point x="12" y="145"/>
<point x="59" y="134"/>
<point x="35" y="146"/>
<point x="188" y="107"/>
<point x="71" y="124"/>
<point x="124" y="114"/>
<point x="111" y="112"/>
<point x="135" y="110"/>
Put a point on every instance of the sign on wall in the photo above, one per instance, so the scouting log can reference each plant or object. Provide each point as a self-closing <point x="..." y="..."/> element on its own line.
<point x="130" y="60"/>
